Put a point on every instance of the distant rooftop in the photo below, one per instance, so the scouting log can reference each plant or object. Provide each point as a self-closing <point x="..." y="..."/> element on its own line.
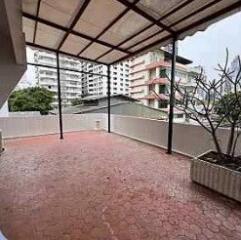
<point x="120" y="105"/>
<point x="124" y="97"/>
<point x="180" y="59"/>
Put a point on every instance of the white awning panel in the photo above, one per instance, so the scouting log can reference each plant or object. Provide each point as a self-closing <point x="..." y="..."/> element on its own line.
<point x="107" y="31"/>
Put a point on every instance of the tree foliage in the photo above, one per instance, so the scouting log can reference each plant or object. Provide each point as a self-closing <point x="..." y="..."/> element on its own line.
<point x="76" y="101"/>
<point x="31" y="99"/>
<point x="228" y="107"/>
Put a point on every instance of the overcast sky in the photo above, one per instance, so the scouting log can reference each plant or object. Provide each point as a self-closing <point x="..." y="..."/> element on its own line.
<point x="208" y="48"/>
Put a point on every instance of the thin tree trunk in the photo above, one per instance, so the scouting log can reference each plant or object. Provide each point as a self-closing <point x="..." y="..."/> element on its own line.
<point x="216" y="143"/>
<point x="231" y="138"/>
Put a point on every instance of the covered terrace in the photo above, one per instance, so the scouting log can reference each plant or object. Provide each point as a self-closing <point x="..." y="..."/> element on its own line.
<point x="93" y="184"/>
<point x="102" y="32"/>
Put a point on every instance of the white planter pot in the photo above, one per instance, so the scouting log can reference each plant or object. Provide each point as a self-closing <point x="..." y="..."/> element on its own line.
<point x="217" y="178"/>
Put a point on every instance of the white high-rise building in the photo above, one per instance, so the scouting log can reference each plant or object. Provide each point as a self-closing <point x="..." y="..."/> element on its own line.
<point x="74" y="84"/>
<point x="94" y="85"/>
<point x="71" y="86"/>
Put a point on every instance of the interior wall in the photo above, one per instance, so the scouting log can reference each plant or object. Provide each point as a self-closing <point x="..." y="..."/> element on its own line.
<point x="12" y="44"/>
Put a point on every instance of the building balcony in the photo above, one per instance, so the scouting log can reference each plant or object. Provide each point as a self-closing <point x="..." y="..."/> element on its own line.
<point x="164" y="64"/>
<point x="137" y="71"/>
<point x="161" y="81"/>
<point x="46" y="75"/>
<point x="156" y="97"/>
<point x="137" y="78"/>
<point x="137" y="85"/>
<point x="136" y="91"/>
<point x="95" y="185"/>
<point x="135" y="64"/>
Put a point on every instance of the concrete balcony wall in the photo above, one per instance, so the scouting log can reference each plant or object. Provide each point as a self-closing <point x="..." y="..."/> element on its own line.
<point x="13" y="127"/>
<point x="191" y="140"/>
<point x="188" y="139"/>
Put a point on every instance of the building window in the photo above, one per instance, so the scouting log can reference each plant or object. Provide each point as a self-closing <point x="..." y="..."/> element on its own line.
<point x="163" y="73"/>
<point x="162" y="89"/>
<point x="162" y="104"/>
<point x="179" y="115"/>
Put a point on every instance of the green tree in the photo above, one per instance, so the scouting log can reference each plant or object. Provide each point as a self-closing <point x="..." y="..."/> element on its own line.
<point x="228" y="108"/>
<point x="31" y="99"/>
<point x="76" y="101"/>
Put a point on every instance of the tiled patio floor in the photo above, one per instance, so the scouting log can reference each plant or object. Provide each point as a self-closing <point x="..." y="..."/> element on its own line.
<point x="95" y="185"/>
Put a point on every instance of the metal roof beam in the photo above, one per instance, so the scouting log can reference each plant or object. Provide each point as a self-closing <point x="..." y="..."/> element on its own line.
<point x="109" y="26"/>
<point x="212" y="3"/>
<point x="174" y="10"/>
<point x="211" y="17"/>
<point x="65" y="29"/>
<point x="76" y="19"/>
<point x="36" y="23"/>
<point x="179" y="21"/>
<point x="146" y="16"/>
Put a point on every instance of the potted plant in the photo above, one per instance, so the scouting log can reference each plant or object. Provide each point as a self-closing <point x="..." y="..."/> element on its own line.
<point x="219" y="107"/>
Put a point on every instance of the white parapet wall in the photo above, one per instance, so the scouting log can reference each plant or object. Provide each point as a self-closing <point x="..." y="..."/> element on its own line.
<point x="13" y="127"/>
<point x="188" y="139"/>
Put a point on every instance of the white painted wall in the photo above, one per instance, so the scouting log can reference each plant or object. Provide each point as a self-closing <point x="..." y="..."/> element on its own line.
<point x="13" y="127"/>
<point x="188" y="139"/>
<point x="12" y="45"/>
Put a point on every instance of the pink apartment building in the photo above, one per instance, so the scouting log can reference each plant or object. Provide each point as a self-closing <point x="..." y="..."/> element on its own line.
<point x="149" y="82"/>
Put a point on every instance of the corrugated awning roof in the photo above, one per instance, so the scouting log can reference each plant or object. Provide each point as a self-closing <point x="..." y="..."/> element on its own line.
<point x="108" y="31"/>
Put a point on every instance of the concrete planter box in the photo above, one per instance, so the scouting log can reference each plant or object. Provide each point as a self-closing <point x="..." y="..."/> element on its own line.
<point x="217" y="178"/>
